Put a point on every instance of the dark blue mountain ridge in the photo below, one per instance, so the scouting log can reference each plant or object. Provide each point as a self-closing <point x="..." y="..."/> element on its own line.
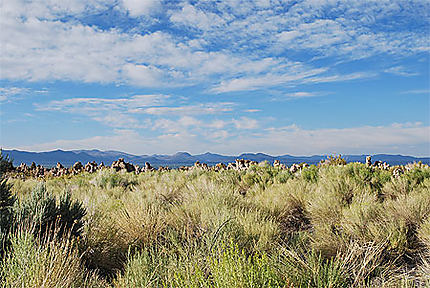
<point x="67" y="158"/>
<point x="211" y="158"/>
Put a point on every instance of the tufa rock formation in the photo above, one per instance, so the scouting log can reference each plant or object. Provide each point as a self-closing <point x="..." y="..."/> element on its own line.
<point x="120" y="164"/>
<point x="238" y="165"/>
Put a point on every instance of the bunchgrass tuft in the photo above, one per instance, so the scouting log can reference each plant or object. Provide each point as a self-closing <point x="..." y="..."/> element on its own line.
<point x="44" y="261"/>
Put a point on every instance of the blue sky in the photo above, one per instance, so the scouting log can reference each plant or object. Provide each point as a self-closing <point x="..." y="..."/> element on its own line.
<point x="232" y="76"/>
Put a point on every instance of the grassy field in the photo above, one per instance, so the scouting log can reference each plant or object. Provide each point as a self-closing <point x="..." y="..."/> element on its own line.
<point x="328" y="226"/>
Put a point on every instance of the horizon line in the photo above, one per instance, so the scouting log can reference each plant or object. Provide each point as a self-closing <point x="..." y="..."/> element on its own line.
<point x="322" y="154"/>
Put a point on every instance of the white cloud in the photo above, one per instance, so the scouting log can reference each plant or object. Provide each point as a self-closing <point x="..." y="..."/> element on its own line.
<point x="139" y="111"/>
<point x="51" y="9"/>
<point x="340" y="77"/>
<point x="137" y="8"/>
<point x="407" y="124"/>
<point x="39" y="44"/>
<point x="292" y="79"/>
<point x="400" y="71"/>
<point x="121" y="120"/>
<point x="189" y="121"/>
<point x="302" y="94"/>
<point x="245" y="123"/>
<point x="185" y="124"/>
<point x="39" y="50"/>
<point x="404" y="139"/>
<point x="141" y="75"/>
<point x="84" y="105"/>
<point x="218" y="135"/>
<point x="318" y="34"/>
<point x="192" y="16"/>
<point x="419" y="91"/>
<point x="208" y="108"/>
<point x="7" y="93"/>
<point x="265" y="80"/>
<point x="116" y="112"/>
<point x="218" y="124"/>
<point x="287" y="36"/>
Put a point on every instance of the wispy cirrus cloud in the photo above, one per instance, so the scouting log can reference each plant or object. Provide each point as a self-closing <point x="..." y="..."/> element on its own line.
<point x="272" y="80"/>
<point x="208" y="108"/>
<point x="113" y="112"/>
<point x="128" y="112"/>
<point x="401" y="71"/>
<point x="265" y="80"/>
<point x="252" y="110"/>
<point x="302" y="94"/>
<point x="83" y="105"/>
<point x="151" y="112"/>
<point x="6" y="93"/>
<point x="418" y="91"/>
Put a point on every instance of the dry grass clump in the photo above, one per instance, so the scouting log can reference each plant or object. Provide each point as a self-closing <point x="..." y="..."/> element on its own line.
<point x="424" y="232"/>
<point x="45" y="262"/>
<point x="326" y="226"/>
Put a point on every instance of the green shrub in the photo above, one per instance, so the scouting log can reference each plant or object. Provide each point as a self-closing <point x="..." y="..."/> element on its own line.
<point x="47" y="214"/>
<point x="368" y="177"/>
<point x="6" y="164"/>
<point x="260" y="176"/>
<point x="333" y="160"/>
<point x="71" y="214"/>
<point x="39" y="208"/>
<point x="108" y="179"/>
<point x="417" y="175"/>
<point x="310" y="174"/>
<point x="283" y="176"/>
<point x="7" y="200"/>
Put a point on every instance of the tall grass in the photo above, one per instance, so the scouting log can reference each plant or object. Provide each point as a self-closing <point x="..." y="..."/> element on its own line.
<point x="227" y="266"/>
<point x="44" y="262"/>
<point x="326" y="226"/>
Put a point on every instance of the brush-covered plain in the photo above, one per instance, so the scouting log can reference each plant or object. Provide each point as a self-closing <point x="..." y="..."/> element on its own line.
<point x="328" y="226"/>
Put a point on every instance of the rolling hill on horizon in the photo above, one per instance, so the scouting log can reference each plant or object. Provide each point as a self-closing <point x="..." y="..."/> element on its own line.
<point x="68" y="158"/>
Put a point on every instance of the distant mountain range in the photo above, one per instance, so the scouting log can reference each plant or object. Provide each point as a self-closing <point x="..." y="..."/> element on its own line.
<point x="68" y="158"/>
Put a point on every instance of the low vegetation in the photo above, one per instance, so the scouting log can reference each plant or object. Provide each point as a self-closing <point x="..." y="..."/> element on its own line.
<point x="332" y="225"/>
